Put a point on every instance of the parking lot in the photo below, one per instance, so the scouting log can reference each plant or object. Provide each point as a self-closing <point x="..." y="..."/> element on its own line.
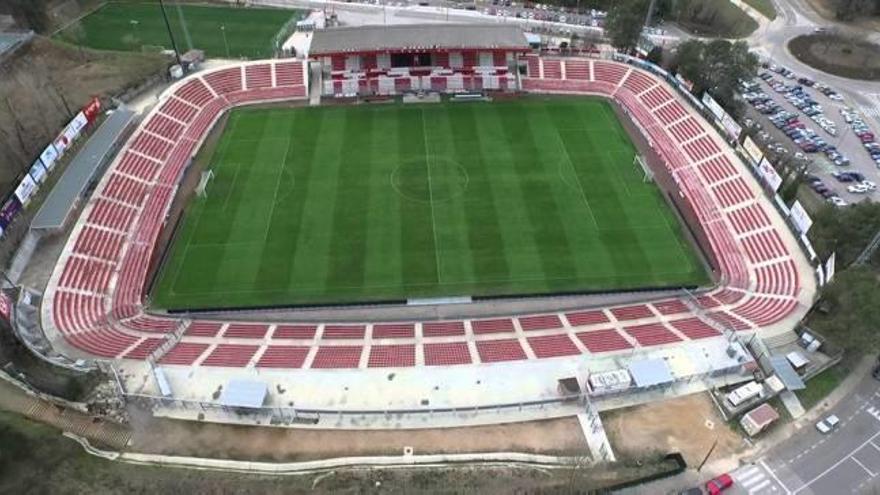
<point x="811" y="123"/>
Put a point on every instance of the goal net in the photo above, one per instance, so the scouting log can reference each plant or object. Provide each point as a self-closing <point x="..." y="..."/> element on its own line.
<point x="640" y="164"/>
<point x="202" y="187"/>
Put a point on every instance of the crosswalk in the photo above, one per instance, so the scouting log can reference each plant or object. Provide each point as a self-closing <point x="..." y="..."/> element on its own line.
<point x="754" y="480"/>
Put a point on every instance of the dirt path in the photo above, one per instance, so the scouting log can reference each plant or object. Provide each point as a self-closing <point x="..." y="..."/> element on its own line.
<point x="689" y="425"/>
<point x="287" y="444"/>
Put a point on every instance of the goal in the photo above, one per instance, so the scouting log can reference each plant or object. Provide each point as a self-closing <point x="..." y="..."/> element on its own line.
<point x="639" y="162"/>
<point x="202" y="187"/>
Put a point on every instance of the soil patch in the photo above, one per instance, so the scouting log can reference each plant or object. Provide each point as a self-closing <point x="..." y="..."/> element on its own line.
<point x="839" y="55"/>
<point x="187" y="438"/>
<point x="689" y="425"/>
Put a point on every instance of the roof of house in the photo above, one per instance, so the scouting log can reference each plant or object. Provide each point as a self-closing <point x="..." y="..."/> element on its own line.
<point x="408" y="37"/>
<point x="763" y="415"/>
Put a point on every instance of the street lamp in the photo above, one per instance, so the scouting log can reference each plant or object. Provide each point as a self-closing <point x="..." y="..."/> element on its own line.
<point x="225" y="43"/>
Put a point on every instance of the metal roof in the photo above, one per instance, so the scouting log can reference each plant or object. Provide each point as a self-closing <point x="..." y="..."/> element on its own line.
<point x="244" y="393"/>
<point x="407" y="37"/>
<point x="650" y="372"/>
<point x="786" y="373"/>
<point x="81" y="170"/>
<point x="8" y="41"/>
<point x="763" y="415"/>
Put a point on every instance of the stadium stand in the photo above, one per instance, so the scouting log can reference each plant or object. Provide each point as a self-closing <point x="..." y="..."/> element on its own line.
<point x="95" y="297"/>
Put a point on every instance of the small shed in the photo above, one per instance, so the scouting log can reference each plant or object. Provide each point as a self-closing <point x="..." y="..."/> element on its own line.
<point x="758" y="419"/>
<point x="244" y="394"/>
<point x="650" y="373"/>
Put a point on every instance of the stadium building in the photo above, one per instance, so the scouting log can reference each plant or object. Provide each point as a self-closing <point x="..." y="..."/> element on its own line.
<point x="469" y="361"/>
<point x="385" y="60"/>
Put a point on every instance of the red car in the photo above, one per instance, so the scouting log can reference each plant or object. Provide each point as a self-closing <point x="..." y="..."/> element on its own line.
<point x="719" y="484"/>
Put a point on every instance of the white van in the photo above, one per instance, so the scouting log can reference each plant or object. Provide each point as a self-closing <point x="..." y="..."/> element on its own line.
<point x="744" y="393"/>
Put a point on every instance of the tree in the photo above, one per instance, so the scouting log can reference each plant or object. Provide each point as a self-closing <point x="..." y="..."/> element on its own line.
<point x="845" y="231"/>
<point x="623" y="26"/>
<point x="30" y="14"/>
<point x="717" y="67"/>
<point x="851" y="310"/>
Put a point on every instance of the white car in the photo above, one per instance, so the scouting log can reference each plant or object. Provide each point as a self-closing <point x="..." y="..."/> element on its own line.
<point x="837" y="201"/>
<point x="871" y="186"/>
<point x="857" y="189"/>
<point x="826" y="425"/>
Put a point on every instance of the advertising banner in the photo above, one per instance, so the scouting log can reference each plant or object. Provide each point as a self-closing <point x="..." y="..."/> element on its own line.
<point x="26" y="189"/>
<point x="70" y="133"/>
<point x="731" y="126"/>
<point x="800" y="218"/>
<point x="713" y="106"/>
<point x="829" y="267"/>
<point x="48" y="157"/>
<point x="752" y="150"/>
<point x="820" y="276"/>
<point x="769" y="174"/>
<point x="684" y="82"/>
<point x="8" y="211"/>
<point x="5" y="306"/>
<point x="38" y="172"/>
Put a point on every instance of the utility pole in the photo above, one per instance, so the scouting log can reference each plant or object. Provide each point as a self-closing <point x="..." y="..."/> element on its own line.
<point x="650" y="13"/>
<point x="170" y="34"/>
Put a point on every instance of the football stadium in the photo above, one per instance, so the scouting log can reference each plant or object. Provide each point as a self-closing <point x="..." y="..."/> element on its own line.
<point x="422" y="225"/>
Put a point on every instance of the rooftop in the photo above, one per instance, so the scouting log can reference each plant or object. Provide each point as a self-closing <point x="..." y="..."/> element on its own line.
<point x="408" y="37"/>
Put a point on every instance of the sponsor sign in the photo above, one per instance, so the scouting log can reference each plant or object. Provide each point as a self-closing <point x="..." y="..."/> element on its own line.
<point x="713" y="106"/>
<point x="92" y="109"/>
<point x="26" y="189"/>
<point x="70" y="133"/>
<point x="800" y="218"/>
<point x="5" y="306"/>
<point x="752" y="150"/>
<point x="38" y="172"/>
<point x="769" y="174"/>
<point x="48" y="157"/>
<point x="809" y="247"/>
<point x="731" y="126"/>
<point x="829" y="267"/>
<point x="8" y="211"/>
<point x="684" y="82"/>
<point x="820" y="276"/>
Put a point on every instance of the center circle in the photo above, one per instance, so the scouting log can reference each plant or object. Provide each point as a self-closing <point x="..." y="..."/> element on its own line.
<point x="427" y="179"/>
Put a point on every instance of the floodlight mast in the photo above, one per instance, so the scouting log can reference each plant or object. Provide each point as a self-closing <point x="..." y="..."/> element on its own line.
<point x="170" y="34"/>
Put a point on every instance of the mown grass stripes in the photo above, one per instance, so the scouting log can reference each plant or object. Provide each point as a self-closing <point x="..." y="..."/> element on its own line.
<point x="368" y="203"/>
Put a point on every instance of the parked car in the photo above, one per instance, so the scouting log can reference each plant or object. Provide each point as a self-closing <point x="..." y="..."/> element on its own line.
<point x="719" y="484"/>
<point x="826" y="425"/>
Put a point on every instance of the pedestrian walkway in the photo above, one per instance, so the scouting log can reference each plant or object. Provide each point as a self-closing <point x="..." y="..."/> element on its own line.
<point x="792" y="404"/>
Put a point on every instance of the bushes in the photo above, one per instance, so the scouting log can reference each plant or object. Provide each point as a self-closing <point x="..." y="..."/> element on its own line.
<point x="714" y="18"/>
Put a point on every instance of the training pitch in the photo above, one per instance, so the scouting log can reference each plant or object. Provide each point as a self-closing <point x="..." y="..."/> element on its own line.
<point x="345" y="204"/>
<point x="220" y="31"/>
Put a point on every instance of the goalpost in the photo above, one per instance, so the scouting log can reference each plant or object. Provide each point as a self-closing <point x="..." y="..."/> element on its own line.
<point x="202" y="187"/>
<point x="639" y="161"/>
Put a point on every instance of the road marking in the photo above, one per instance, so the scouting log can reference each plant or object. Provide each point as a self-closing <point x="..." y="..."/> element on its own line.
<point x="857" y="461"/>
<point x="838" y="463"/>
<point x="875" y="446"/>
<point x="773" y="474"/>
<point x="760" y="486"/>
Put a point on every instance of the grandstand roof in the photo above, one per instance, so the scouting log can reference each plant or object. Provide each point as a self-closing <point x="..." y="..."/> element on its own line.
<point x="417" y="37"/>
<point x="81" y="170"/>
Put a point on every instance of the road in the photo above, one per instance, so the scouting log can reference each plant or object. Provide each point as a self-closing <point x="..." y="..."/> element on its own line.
<point x="844" y="461"/>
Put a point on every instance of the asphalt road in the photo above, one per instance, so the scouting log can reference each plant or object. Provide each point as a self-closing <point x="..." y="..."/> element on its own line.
<point x="844" y="461"/>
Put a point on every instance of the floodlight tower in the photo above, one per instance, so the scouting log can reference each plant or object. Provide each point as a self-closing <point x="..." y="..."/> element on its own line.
<point x="170" y="34"/>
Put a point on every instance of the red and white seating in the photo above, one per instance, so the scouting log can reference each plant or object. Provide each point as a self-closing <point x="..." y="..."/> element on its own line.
<point x="95" y="297"/>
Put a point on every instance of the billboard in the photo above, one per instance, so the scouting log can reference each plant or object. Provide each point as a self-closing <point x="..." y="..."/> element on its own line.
<point x="8" y="211"/>
<point x="829" y="267"/>
<point x="731" y="126"/>
<point x="769" y="174"/>
<point x="70" y="133"/>
<point x="48" y="157"/>
<point x="38" y="172"/>
<point x="713" y="106"/>
<point x="800" y="218"/>
<point x="25" y="189"/>
<point x="752" y="150"/>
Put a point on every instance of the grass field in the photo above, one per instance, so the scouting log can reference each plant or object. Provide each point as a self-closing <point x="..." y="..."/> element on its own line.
<point x="361" y="203"/>
<point x="249" y="32"/>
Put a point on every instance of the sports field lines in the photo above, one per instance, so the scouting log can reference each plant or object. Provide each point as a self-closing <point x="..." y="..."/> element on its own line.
<point x="369" y="203"/>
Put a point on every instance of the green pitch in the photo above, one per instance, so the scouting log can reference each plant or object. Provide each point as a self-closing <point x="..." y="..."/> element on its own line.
<point x="361" y="203"/>
<point x="249" y="32"/>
